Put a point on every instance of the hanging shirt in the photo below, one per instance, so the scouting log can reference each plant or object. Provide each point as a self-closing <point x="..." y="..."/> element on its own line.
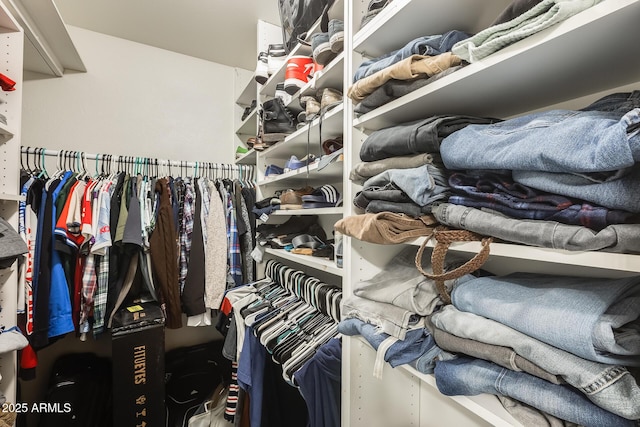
<point x="60" y="321"/>
<point x="235" y="263"/>
<point x="24" y="229"/>
<point x="164" y="257"/>
<point x="216" y="251"/>
<point x="186" y="229"/>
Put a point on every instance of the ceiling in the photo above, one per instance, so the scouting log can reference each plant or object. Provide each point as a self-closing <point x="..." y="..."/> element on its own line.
<point x="222" y="31"/>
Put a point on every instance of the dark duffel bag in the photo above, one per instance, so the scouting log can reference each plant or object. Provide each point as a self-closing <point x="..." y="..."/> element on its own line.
<point x="297" y="17"/>
<point x="79" y="392"/>
<point x="192" y="375"/>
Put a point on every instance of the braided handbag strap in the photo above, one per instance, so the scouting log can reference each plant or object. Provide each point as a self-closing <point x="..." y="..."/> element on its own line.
<point x="444" y="237"/>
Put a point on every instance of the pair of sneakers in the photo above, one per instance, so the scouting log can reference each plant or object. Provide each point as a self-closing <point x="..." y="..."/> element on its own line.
<point x="326" y="46"/>
<point x="270" y="62"/>
<point x="324" y="100"/>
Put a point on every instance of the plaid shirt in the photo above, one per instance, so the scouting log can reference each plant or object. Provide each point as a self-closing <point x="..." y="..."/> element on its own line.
<point x="89" y="286"/>
<point x="482" y="189"/>
<point x="100" y="300"/>
<point x="186" y="230"/>
<point x="235" y="262"/>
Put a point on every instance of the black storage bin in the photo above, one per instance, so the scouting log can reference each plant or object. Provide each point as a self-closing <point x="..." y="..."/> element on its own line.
<point x="138" y="366"/>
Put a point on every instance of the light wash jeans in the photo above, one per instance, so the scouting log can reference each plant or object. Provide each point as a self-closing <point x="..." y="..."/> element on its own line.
<point x="469" y="377"/>
<point x="620" y="193"/>
<point x="594" y="318"/>
<point x="621" y="238"/>
<point x="424" y="185"/>
<point x="609" y="386"/>
<point x="417" y="344"/>
<point x="561" y="141"/>
<point x="427" y="45"/>
<point x="390" y="319"/>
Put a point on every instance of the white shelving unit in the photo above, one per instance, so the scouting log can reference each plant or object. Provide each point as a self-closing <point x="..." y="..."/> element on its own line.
<point x="306" y="140"/>
<point x="5" y="133"/>
<point x="248" y="158"/>
<point x="554" y="67"/>
<point x="11" y="65"/>
<point x="315" y="263"/>
<point x="496" y="81"/>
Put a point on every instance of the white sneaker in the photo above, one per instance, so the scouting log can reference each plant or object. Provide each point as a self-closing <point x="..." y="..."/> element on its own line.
<point x="276" y="57"/>
<point x="262" y="69"/>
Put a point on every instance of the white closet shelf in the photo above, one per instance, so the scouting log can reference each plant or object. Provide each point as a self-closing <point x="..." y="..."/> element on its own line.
<point x="317" y="263"/>
<point x="332" y="172"/>
<point x="249" y="125"/>
<point x="320" y="211"/>
<point x="248" y="158"/>
<point x="493" y="86"/>
<point x="404" y="20"/>
<point x="269" y="88"/>
<point x="11" y="197"/>
<point x="485" y="406"/>
<point x="331" y="128"/>
<point x="594" y="259"/>
<point x="5" y="133"/>
<point x="248" y="94"/>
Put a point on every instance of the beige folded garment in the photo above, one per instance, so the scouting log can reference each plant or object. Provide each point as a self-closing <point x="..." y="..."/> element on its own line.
<point x="386" y="227"/>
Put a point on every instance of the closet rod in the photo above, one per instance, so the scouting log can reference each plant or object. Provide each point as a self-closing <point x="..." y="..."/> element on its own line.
<point x="161" y="162"/>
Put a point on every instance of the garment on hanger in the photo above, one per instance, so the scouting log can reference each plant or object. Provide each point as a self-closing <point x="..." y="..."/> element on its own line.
<point x="101" y="241"/>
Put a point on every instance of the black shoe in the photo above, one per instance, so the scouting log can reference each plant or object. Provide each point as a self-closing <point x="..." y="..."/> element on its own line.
<point x="246" y="113"/>
<point x="277" y="121"/>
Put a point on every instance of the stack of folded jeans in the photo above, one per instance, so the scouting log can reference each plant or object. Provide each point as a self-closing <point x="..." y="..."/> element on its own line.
<point x="559" y="344"/>
<point x="421" y="58"/>
<point x="401" y="172"/>
<point x="391" y="318"/>
<point x="581" y="165"/>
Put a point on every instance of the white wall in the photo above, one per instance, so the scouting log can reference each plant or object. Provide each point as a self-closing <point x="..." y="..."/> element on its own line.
<point x="133" y="100"/>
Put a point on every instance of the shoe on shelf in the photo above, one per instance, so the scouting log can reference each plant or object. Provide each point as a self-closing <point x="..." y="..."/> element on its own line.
<point x="246" y="113"/>
<point x="321" y="48"/>
<point x="262" y="69"/>
<point x="276" y="56"/>
<point x="329" y="98"/>
<point x="251" y="141"/>
<point x="294" y="163"/>
<point x="273" y="170"/>
<point x="282" y="94"/>
<point x="311" y="108"/>
<point x="292" y="199"/>
<point x="277" y="121"/>
<point x="241" y="151"/>
<point x="336" y="35"/>
<point x="332" y="145"/>
<point x="297" y="73"/>
<point x="325" y="196"/>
